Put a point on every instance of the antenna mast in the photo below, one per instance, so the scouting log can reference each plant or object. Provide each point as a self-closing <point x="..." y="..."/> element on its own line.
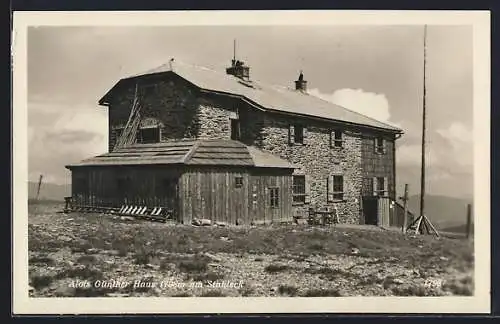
<point x="234" y="50"/>
<point x="422" y="175"/>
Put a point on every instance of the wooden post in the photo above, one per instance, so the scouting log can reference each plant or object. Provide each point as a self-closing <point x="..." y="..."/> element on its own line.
<point x="39" y="186"/>
<point x="469" y="221"/>
<point x="417" y="231"/>
<point x="405" y="216"/>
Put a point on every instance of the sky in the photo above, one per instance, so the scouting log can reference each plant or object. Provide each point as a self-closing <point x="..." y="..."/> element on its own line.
<point x="375" y="70"/>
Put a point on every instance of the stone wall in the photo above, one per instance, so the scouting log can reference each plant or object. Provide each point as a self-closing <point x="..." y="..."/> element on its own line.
<point x="215" y="112"/>
<point x="177" y="108"/>
<point x="318" y="160"/>
<point x="182" y="112"/>
<point x="170" y="104"/>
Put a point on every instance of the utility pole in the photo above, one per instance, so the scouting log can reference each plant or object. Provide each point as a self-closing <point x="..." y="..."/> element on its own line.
<point x="422" y="175"/>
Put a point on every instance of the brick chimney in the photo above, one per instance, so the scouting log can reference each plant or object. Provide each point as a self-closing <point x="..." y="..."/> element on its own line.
<point x="301" y="84"/>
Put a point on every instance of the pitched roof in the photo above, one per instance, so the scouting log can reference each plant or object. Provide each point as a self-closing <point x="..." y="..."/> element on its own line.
<point x="268" y="97"/>
<point x="188" y="152"/>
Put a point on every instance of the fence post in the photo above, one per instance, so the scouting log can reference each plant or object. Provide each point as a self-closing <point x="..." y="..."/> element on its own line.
<point x="469" y="221"/>
<point x="405" y="215"/>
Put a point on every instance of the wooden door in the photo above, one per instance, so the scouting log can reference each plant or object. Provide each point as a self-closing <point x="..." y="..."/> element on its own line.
<point x="273" y="201"/>
<point x="383" y="211"/>
<point x="167" y="192"/>
<point x="370" y="210"/>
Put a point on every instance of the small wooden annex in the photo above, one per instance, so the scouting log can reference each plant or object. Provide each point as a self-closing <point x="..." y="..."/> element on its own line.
<point x="220" y="180"/>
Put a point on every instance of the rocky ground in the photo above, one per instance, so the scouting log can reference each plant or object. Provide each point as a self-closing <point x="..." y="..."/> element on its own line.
<point x="101" y="255"/>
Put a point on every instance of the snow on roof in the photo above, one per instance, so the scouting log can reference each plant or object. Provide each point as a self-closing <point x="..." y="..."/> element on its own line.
<point x="269" y="97"/>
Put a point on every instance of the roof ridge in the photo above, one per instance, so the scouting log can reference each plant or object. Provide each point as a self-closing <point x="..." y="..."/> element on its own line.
<point x="279" y="89"/>
<point x="353" y="111"/>
<point x="288" y="88"/>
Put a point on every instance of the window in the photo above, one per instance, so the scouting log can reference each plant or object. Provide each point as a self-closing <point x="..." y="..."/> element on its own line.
<point x="335" y="188"/>
<point x="338" y="187"/>
<point x="298" y="136"/>
<point x="238" y="182"/>
<point x="148" y="135"/>
<point x="336" y="138"/>
<point x="379" y="145"/>
<point x="235" y="129"/>
<point x="274" y="197"/>
<point x="299" y="189"/>
<point x="380" y="186"/>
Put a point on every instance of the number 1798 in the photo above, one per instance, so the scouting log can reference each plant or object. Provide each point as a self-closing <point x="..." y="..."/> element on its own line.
<point x="433" y="283"/>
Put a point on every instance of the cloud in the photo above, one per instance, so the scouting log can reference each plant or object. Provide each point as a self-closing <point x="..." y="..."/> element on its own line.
<point x="374" y="105"/>
<point x="457" y="133"/>
<point x="58" y="136"/>
<point x="449" y="160"/>
<point x="459" y="138"/>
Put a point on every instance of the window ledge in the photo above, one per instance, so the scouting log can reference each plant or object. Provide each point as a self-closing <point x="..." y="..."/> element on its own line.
<point x="298" y="203"/>
<point x="337" y="201"/>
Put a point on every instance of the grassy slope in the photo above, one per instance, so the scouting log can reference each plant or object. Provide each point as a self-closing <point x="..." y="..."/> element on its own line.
<point x="298" y="260"/>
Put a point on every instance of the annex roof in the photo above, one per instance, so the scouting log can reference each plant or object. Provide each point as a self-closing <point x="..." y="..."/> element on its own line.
<point x="267" y="97"/>
<point x="188" y="152"/>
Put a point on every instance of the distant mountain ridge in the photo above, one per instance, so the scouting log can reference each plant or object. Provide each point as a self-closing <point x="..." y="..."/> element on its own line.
<point x="445" y="213"/>
<point x="49" y="191"/>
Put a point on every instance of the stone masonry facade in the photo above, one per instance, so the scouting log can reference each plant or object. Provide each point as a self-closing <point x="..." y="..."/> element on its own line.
<point x="318" y="160"/>
<point x="175" y="107"/>
<point x="183" y="112"/>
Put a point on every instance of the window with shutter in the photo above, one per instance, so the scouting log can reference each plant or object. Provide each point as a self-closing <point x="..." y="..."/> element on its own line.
<point x="329" y="189"/>
<point x="298" y="137"/>
<point x="380" y="186"/>
<point x="335" y="190"/>
<point x="379" y="145"/>
<point x="336" y="138"/>
<point x="307" y="198"/>
<point x="338" y="187"/>
<point x="299" y="189"/>
<point x="291" y="134"/>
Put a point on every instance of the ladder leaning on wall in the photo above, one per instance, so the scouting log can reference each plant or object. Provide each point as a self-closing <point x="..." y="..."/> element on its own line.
<point x="128" y="136"/>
